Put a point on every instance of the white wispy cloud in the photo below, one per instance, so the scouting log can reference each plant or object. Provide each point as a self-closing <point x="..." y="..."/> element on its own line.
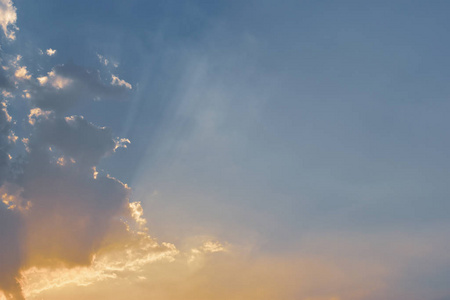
<point x="103" y="60"/>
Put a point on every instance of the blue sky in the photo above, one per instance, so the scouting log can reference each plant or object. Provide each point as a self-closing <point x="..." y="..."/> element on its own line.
<point x="288" y="128"/>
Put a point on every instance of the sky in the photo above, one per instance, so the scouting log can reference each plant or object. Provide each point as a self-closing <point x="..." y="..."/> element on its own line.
<point x="208" y="150"/>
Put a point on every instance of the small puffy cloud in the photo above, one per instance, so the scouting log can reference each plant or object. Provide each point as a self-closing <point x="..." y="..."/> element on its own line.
<point x="117" y="81"/>
<point x="8" y="18"/>
<point x="50" y="52"/>
<point x="121" y="143"/>
<point x="22" y="73"/>
<point x="7" y="94"/>
<point x="12" y="137"/>
<point x="37" y="113"/>
<point x="42" y="80"/>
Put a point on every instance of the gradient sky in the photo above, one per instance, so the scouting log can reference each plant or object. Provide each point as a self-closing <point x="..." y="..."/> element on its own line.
<point x="208" y="150"/>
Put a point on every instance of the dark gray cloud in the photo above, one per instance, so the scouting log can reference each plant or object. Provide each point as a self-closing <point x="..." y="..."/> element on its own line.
<point x="75" y="137"/>
<point x="57" y="211"/>
<point x="71" y="213"/>
<point x="69" y="84"/>
<point x="72" y="207"/>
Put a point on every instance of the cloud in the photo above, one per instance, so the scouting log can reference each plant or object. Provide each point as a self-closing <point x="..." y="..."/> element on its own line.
<point x="8" y="18"/>
<point x="238" y="274"/>
<point x="56" y="211"/>
<point x="68" y="84"/>
<point x="106" y="62"/>
<point x="50" y="52"/>
<point x="74" y="223"/>
<point x="22" y="73"/>
<point x="102" y="59"/>
<point x="62" y="216"/>
<point x="119" y="82"/>
<point x="36" y="113"/>
<point x="336" y="266"/>
<point x="59" y="216"/>
<point x="62" y="222"/>
<point x="73" y="136"/>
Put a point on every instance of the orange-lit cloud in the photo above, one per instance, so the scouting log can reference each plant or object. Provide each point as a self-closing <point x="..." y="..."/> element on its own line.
<point x="329" y="267"/>
<point x="232" y="274"/>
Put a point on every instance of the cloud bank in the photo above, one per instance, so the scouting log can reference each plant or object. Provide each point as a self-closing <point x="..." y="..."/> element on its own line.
<point x="58" y="214"/>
